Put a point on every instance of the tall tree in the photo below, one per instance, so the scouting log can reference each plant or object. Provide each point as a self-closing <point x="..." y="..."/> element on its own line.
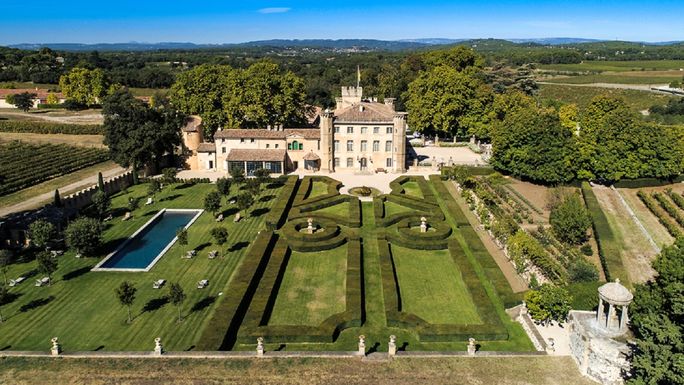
<point x="41" y="233"/>
<point x="125" y="293"/>
<point x="182" y="236"/>
<point x="212" y="202"/>
<point x="136" y="134"/>
<point x="244" y="201"/>
<point x="5" y="261"/>
<point x="84" y="235"/>
<point x="23" y="101"/>
<point x="220" y="235"/>
<point x="83" y="85"/>
<point x="47" y="264"/>
<point x="223" y="186"/>
<point x="57" y="200"/>
<point x="570" y="220"/>
<point x="4" y="294"/>
<point x="657" y="320"/>
<point x="100" y="182"/>
<point x="177" y="297"/>
<point x="548" y="303"/>
<point x="237" y="174"/>
<point x="101" y="202"/>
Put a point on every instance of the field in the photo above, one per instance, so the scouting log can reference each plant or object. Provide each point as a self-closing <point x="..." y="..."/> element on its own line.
<point x="23" y="165"/>
<point x="637" y="100"/>
<point x="81" y="307"/>
<point x="617" y="66"/>
<point x="538" y="370"/>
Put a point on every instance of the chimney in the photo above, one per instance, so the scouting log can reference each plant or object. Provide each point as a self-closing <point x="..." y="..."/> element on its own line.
<point x="268" y="127"/>
<point x="390" y="102"/>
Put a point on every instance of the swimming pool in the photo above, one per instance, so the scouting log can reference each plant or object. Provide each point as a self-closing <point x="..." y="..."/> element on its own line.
<point x="147" y="245"/>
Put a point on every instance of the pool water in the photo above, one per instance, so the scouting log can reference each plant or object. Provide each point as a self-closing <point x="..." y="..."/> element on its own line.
<point x="144" y="248"/>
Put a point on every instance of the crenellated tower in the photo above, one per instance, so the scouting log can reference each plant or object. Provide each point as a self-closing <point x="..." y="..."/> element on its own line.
<point x="327" y="152"/>
<point x="399" y="141"/>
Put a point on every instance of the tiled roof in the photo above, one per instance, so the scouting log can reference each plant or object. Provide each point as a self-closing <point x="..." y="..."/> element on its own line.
<point x="206" y="147"/>
<point x="366" y="112"/>
<point x="192" y="124"/>
<point x="306" y="133"/>
<point x="311" y="156"/>
<point x="256" y="155"/>
<point x="40" y="93"/>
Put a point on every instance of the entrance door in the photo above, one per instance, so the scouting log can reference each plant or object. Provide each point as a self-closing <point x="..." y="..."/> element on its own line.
<point x="211" y="165"/>
<point x="364" y="164"/>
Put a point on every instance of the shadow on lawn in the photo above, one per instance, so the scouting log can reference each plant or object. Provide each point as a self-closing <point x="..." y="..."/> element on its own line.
<point x="75" y="273"/>
<point x="36" y="303"/>
<point x="260" y="212"/>
<point x="170" y="197"/>
<point x="110" y="245"/>
<point x="230" y="211"/>
<point x="155" y="304"/>
<point x="202" y="246"/>
<point x="203" y="303"/>
<point x="266" y="198"/>
<point x="238" y="246"/>
<point x="183" y="186"/>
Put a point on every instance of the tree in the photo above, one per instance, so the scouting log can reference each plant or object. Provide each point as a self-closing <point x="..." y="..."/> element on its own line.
<point x="41" y="232"/>
<point x="52" y="99"/>
<point x="253" y="186"/>
<point x="133" y="203"/>
<point x="126" y="295"/>
<point x="223" y="186"/>
<point x="244" y="201"/>
<point x="657" y="320"/>
<point x="262" y="175"/>
<point x="101" y="203"/>
<point x="4" y="295"/>
<point x="237" y="174"/>
<point x="47" y="264"/>
<point x="220" y="235"/>
<point x="446" y="101"/>
<point x="548" y="303"/>
<point x="84" y="235"/>
<point x="23" y="101"/>
<point x="570" y="220"/>
<point x="136" y="134"/>
<point x="212" y="202"/>
<point x="57" y="200"/>
<point x="5" y="261"/>
<point x="182" y="236"/>
<point x="153" y="187"/>
<point x="100" y="182"/>
<point x="177" y="296"/>
<point x="169" y="175"/>
<point x="83" y="85"/>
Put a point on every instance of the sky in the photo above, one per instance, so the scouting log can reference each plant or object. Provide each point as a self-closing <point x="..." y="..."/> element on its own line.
<point x="214" y="21"/>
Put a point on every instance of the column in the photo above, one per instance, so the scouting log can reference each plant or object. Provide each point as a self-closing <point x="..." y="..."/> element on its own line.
<point x="599" y="312"/>
<point x="611" y="311"/>
<point x="623" y="317"/>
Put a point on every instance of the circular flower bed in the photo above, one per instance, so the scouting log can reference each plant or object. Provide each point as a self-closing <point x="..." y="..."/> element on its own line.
<point x="364" y="191"/>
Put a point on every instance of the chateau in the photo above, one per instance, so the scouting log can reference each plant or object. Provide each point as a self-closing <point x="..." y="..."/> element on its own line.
<point x="360" y="135"/>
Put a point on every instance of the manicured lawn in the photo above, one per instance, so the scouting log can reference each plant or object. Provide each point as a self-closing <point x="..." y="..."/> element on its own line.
<point x="317" y="188"/>
<point x="81" y="307"/>
<point x="431" y="287"/>
<point x="617" y="66"/>
<point x="313" y="288"/>
<point x="392" y="208"/>
<point x="637" y="100"/>
<point x="646" y="78"/>
<point x="341" y="209"/>
<point x="412" y="188"/>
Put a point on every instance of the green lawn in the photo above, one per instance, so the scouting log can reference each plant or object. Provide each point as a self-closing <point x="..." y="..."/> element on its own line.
<point x="412" y="188"/>
<point x="317" y="189"/>
<point x="81" y="308"/>
<point x="313" y="288"/>
<point x="664" y="77"/>
<point x="431" y="287"/>
<point x="638" y="100"/>
<point x="392" y="208"/>
<point x="341" y="209"/>
<point x="622" y="66"/>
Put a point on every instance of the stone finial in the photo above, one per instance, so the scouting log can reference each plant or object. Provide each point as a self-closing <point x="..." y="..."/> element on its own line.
<point x="423" y="225"/>
<point x="310" y="228"/>
<point x="56" y="349"/>
<point x="392" y="346"/>
<point x="362" y="345"/>
<point x="472" y="348"/>
<point x="551" y="346"/>
<point x="260" y="347"/>
<point x="158" y="348"/>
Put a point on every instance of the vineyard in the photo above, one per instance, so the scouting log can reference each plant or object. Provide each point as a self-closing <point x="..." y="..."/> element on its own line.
<point x="50" y="128"/>
<point x="23" y="165"/>
<point x="668" y="207"/>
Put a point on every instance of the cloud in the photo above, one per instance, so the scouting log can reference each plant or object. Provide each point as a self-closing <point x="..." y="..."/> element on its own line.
<point x="274" y="10"/>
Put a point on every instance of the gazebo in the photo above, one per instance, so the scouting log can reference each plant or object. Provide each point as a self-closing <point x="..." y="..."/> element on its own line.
<point x="614" y="295"/>
<point x="312" y="161"/>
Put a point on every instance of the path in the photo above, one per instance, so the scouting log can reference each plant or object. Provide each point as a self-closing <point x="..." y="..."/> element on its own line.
<point x="636" y="220"/>
<point x="41" y="199"/>
<point x="60" y="117"/>
<point x="517" y="283"/>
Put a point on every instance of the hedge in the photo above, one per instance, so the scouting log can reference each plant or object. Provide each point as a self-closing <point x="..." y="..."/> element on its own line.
<point x="671" y="209"/>
<point x="278" y="213"/>
<point x="222" y="329"/>
<point x="455" y="211"/>
<point x="307" y="184"/>
<point x="676" y="198"/>
<point x="609" y="249"/>
<point x="256" y="320"/>
<point x="647" y="182"/>
<point x="50" y="128"/>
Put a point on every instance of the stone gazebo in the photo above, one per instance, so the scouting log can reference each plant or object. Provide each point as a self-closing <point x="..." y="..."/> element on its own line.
<point x="617" y="298"/>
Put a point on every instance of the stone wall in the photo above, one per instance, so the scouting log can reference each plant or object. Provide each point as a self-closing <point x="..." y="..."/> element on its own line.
<point x="83" y="198"/>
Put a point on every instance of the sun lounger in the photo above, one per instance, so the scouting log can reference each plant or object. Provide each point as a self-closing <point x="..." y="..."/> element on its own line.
<point x="190" y="254"/>
<point x="158" y="283"/>
<point x="219" y="218"/>
<point x="213" y="254"/>
<point x="42" y="282"/>
<point x="15" y="282"/>
<point x="149" y="201"/>
<point x="127" y="216"/>
<point x="202" y="284"/>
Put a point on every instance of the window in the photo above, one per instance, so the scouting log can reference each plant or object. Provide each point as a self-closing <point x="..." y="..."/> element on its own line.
<point x="295" y="146"/>
<point x="389" y="130"/>
<point x="242" y="140"/>
<point x="376" y="130"/>
<point x="268" y="145"/>
<point x="337" y="145"/>
<point x="376" y="145"/>
<point x="336" y="162"/>
<point x="274" y="167"/>
<point x="277" y="145"/>
<point x="350" y="130"/>
<point x="364" y="145"/>
<point x="388" y="146"/>
<point x="364" y="130"/>
<point x="251" y="140"/>
<point x="253" y="166"/>
<point x="337" y="129"/>
<point x="350" y="145"/>
<point x="389" y="162"/>
<point x="301" y="146"/>
<point x="289" y="146"/>
<point x="350" y="162"/>
<point x="223" y="150"/>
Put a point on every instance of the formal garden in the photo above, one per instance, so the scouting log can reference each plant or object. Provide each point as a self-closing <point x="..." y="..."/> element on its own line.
<point x="292" y="261"/>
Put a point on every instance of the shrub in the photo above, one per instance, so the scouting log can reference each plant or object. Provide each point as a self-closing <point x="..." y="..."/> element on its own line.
<point x="548" y="303"/>
<point x="570" y="220"/>
<point x="582" y="271"/>
<point x="587" y="250"/>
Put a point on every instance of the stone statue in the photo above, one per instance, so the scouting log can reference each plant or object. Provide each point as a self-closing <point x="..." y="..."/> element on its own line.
<point x="423" y="225"/>
<point x="158" y="348"/>
<point x="260" y="347"/>
<point x="56" y="349"/>
<point x="392" y="346"/>
<point x="362" y="345"/>
<point x="310" y="228"/>
<point x="471" y="347"/>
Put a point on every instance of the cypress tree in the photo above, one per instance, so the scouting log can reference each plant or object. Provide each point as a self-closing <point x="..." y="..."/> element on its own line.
<point x="100" y="182"/>
<point x="57" y="202"/>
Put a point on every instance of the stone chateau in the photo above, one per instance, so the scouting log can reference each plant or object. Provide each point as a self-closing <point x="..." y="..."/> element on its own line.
<point x="360" y="135"/>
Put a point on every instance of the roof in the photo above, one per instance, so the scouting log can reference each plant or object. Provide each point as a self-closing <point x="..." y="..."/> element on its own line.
<point x="615" y="293"/>
<point x="41" y="93"/>
<point x="366" y="112"/>
<point x="311" y="156"/>
<point x="206" y="147"/>
<point x="261" y="133"/>
<point x="256" y="155"/>
<point x="192" y="123"/>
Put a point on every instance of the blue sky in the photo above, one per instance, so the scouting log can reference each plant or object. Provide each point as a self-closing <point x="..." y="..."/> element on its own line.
<point x="213" y="21"/>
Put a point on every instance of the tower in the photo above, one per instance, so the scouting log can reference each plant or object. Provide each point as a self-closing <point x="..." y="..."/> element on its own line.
<point x="399" y="141"/>
<point x="327" y="136"/>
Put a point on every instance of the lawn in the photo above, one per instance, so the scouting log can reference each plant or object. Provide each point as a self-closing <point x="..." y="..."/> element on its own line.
<point x="340" y="209"/>
<point x="81" y="307"/>
<point x="431" y="287"/>
<point x="646" y="78"/>
<point x="313" y="288"/>
<point x="582" y="96"/>
<point x="318" y="188"/>
<point x="617" y="66"/>
<point x="392" y="208"/>
<point x="411" y="188"/>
